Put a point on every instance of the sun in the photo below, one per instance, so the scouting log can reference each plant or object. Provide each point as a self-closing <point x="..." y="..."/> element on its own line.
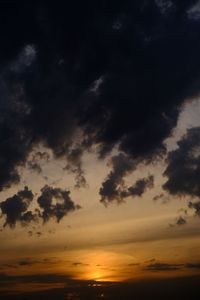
<point x="97" y="275"/>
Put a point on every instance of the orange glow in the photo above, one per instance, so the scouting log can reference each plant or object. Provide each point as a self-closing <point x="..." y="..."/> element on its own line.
<point x="99" y="266"/>
<point x="97" y="275"/>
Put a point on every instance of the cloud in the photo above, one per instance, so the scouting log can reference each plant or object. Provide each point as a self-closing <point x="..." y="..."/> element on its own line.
<point x="31" y="261"/>
<point x="193" y="266"/>
<point x="181" y="221"/>
<point x="183" y="170"/>
<point x="165" y="6"/>
<point x="195" y="206"/>
<point x="24" y="60"/>
<point x="27" y="262"/>
<point x="77" y="77"/>
<point x="183" y="166"/>
<point x="114" y="188"/>
<point x="163" y="197"/>
<point x="53" y="203"/>
<point x="62" y="206"/>
<point x="140" y="187"/>
<point x="15" y="208"/>
<point x="38" y="233"/>
<point x="38" y="158"/>
<point x="74" y="158"/>
<point x="133" y="264"/>
<point x="159" y="267"/>
<point x="141" y="63"/>
<point x="79" y="264"/>
<point x="194" y="11"/>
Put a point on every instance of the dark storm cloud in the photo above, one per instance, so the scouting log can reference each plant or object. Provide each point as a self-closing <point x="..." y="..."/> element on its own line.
<point x="15" y="208"/>
<point x="115" y="72"/>
<point x="183" y="169"/>
<point x="55" y="203"/>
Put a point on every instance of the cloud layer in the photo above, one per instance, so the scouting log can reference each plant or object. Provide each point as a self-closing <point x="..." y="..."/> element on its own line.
<point x="80" y="75"/>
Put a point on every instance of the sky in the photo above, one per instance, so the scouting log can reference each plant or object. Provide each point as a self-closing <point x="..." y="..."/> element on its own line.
<point x="99" y="148"/>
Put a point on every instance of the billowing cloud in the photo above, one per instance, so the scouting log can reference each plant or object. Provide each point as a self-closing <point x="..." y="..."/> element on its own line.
<point x="58" y="209"/>
<point x="16" y="207"/>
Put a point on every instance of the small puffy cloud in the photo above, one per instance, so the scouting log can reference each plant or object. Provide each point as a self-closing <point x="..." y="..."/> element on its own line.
<point x="181" y="221"/>
<point x="55" y="203"/>
<point x="15" y="208"/>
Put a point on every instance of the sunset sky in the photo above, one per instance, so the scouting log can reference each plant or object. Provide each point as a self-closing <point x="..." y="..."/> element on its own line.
<point x="99" y="144"/>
